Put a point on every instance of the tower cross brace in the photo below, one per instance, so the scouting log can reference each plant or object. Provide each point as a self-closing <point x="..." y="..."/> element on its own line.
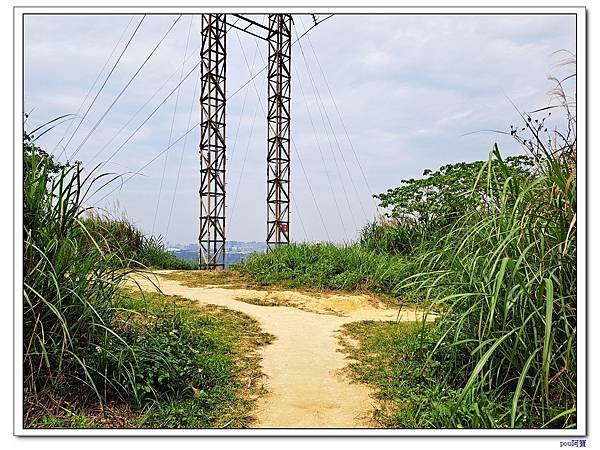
<point x="213" y="57"/>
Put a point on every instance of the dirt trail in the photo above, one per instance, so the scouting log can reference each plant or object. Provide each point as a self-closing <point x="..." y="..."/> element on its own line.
<point x="307" y="388"/>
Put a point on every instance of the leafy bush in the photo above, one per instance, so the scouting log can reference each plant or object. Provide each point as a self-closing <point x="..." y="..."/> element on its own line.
<point x="166" y="358"/>
<point x="440" y="198"/>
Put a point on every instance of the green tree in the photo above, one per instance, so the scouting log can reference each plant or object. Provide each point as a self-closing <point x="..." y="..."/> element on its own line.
<point x="441" y="197"/>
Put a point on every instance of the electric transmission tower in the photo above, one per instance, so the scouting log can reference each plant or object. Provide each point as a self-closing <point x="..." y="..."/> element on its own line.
<point x="212" y="141"/>
<point x="213" y="57"/>
<point x="278" y="137"/>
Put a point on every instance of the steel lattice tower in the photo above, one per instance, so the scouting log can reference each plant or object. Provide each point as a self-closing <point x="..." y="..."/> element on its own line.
<point x="212" y="142"/>
<point x="278" y="135"/>
<point x="213" y="54"/>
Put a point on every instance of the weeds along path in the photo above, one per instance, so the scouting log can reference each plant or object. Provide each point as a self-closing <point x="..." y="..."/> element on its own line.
<point x="306" y="385"/>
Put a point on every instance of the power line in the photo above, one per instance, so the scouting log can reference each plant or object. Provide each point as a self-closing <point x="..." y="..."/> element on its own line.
<point x="93" y="84"/>
<point x="237" y="130"/>
<point x="142" y="107"/>
<point x="230" y="159"/>
<point x="142" y="124"/>
<point x="265" y="67"/>
<point x="341" y="120"/>
<point x="125" y="87"/>
<point x="150" y="116"/>
<point x="321" y="103"/>
<point x="149" y="100"/>
<point x="236" y="192"/>
<point x="310" y="189"/>
<point x="300" y="218"/>
<point x="162" y="179"/>
<point x="102" y="87"/>
<point x="152" y="113"/>
<point x="171" y="133"/>
<point x="149" y="162"/>
<point x="331" y="146"/>
<point x="323" y="159"/>
<point x="243" y="166"/>
<point x="181" y="157"/>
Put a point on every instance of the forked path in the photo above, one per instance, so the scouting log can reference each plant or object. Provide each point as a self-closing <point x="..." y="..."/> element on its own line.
<point x="305" y="382"/>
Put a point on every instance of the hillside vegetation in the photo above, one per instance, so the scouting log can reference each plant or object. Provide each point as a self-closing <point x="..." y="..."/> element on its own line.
<point x="491" y="245"/>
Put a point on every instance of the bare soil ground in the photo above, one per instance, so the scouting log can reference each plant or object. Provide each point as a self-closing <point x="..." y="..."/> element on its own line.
<point x="306" y="384"/>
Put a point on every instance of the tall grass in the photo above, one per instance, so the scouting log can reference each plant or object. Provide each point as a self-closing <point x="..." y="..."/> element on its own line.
<point x="510" y="326"/>
<point x="327" y="266"/>
<point x="68" y="288"/>
<point x="392" y="236"/>
<point x="512" y="323"/>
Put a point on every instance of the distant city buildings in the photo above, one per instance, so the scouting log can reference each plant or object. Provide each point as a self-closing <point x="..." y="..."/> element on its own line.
<point x="235" y="251"/>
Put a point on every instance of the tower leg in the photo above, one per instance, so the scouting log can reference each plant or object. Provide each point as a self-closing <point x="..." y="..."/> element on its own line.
<point x="212" y="142"/>
<point x="278" y="134"/>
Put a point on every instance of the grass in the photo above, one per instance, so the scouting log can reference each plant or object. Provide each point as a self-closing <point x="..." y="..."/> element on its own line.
<point x="413" y="390"/>
<point x="200" y="278"/>
<point x="329" y="267"/>
<point x="201" y="369"/>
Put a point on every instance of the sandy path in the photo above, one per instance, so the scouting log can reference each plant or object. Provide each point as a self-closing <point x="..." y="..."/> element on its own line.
<point x="306" y="386"/>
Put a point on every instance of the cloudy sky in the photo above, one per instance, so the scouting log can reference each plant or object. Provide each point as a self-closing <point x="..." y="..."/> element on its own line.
<point x="375" y="99"/>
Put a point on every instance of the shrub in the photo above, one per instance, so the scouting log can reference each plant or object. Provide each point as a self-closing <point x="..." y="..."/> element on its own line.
<point x="164" y="359"/>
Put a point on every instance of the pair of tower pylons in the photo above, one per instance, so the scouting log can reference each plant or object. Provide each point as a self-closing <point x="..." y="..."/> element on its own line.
<point x="212" y="130"/>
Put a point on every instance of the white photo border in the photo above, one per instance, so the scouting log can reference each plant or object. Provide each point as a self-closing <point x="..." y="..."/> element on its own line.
<point x="582" y="254"/>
